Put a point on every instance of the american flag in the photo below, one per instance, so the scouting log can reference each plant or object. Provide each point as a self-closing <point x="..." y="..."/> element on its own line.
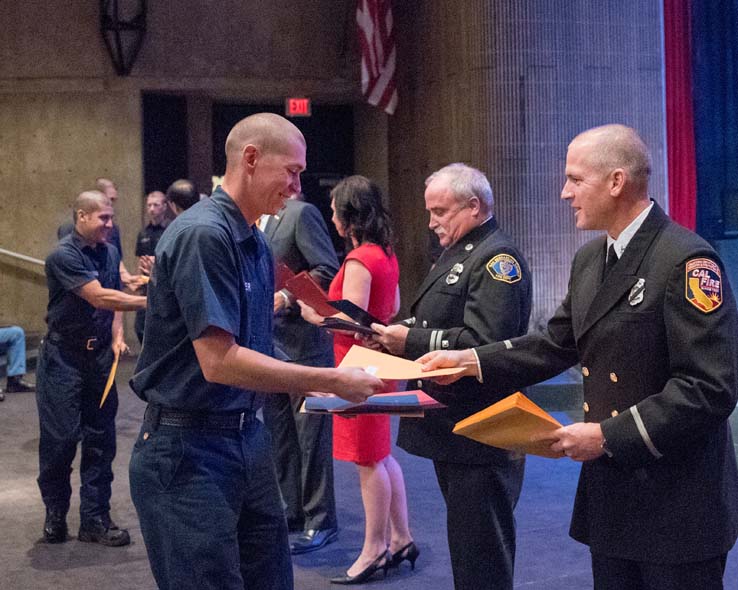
<point x="378" y="54"/>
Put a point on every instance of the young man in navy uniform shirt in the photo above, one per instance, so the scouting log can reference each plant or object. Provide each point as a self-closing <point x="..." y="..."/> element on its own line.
<point x="652" y="319"/>
<point x="479" y="291"/>
<point x="201" y="473"/>
<point x="75" y="359"/>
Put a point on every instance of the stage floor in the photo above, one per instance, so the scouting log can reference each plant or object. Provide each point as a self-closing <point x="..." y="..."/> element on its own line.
<point x="547" y="559"/>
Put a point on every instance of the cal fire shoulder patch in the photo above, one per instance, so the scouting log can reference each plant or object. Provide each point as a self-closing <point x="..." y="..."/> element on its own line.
<point x="703" y="284"/>
<point x="505" y="268"/>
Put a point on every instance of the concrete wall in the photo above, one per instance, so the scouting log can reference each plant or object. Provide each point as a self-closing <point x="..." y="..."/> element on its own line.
<point x="66" y="118"/>
<point x="53" y="146"/>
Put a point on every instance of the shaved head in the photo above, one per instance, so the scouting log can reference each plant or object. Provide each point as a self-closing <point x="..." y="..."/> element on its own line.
<point x="617" y="146"/>
<point x="89" y="201"/>
<point x="267" y="131"/>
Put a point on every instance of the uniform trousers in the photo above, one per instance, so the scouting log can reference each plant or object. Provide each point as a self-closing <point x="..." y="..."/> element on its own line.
<point x="611" y="573"/>
<point x="480" y="500"/>
<point x="210" y="508"/>
<point x="302" y="446"/>
<point x="70" y="380"/>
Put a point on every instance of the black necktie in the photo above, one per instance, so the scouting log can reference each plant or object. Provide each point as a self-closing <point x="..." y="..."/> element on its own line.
<point x="612" y="259"/>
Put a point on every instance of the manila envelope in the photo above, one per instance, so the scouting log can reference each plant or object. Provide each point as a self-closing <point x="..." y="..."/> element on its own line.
<point x="386" y="366"/>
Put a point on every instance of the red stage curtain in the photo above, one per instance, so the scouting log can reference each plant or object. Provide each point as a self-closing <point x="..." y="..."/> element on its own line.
<point x="679" y="112"/>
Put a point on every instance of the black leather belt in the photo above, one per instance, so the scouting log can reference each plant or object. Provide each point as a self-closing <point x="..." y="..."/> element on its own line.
<point x="78" y="342"/>
<point x="158" y="416"/>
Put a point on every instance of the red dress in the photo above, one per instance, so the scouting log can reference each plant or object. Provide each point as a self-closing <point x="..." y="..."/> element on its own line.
<point x="365" y="439"/>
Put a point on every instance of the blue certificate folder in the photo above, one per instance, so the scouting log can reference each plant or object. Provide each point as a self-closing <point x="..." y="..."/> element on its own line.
<point x="382" y="403"/>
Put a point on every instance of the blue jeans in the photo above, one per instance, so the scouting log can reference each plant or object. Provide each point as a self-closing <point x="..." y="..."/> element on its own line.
<point x="210" y="508"/>
<point x="13" y="341"/>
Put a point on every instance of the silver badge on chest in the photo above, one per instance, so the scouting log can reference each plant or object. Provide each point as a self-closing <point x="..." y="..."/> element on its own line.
<point x="637" y="291"/>
<point x="453" y="276"/>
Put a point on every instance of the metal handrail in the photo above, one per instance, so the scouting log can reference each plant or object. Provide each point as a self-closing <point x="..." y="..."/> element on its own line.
<point x="22" y="257"/>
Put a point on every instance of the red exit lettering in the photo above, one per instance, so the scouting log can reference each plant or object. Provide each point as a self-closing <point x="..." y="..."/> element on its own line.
<point x="297" y="107"/>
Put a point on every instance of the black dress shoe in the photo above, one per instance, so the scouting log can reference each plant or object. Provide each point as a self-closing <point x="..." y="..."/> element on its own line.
<point x="295" y="526"/>
<point x="55" y="526"/>
<point x="312" y="540"/>
<point x="409" y="552"/>
<point x="17" y="384"/>
<point x="104" y="531"/>
<point x="381" y="563"/>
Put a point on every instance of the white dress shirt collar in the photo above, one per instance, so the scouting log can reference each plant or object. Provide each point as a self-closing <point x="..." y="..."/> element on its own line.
<point x="627" y="234"/>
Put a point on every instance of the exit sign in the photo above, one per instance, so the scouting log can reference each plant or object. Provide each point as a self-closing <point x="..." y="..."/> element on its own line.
<point x="297" y="107"/>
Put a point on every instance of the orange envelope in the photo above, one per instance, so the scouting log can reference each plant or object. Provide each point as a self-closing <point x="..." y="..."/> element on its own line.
<point x="111" y="378"/>
<point x="386" y="366"/>
<point x="510" y="424"/>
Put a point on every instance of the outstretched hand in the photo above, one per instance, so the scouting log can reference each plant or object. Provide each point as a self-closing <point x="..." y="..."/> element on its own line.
<point x="355" y="385"/>
<point x="442" y="359"/>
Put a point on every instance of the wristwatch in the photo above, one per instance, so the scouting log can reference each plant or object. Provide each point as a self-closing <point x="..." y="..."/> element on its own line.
<point x="605" y="448"/>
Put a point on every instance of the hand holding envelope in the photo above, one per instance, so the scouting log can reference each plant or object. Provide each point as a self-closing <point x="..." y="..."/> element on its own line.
<point x="464" y="360"/>
<point x="514" y="423"/>
<point x="386" y="366"/>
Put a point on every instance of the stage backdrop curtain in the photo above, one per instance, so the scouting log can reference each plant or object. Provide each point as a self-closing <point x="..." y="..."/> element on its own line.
<point x="680" y="139"/>
<point x="715" y="93"/>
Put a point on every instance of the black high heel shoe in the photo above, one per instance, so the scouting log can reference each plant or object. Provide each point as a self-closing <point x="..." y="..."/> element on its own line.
<point x="409" y="552"/>
<point x="381" y="563"/>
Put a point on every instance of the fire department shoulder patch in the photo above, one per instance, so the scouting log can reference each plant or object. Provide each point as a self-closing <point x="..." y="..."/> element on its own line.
<point x="703" y="284"/>
<point x="505" y="268"/>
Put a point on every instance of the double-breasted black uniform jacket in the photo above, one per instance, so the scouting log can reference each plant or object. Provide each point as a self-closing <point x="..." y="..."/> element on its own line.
<point x="478" y="292"/>
<point x="657" y="344"/>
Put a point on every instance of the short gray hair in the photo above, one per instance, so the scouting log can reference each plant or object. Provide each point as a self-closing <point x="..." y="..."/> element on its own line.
<point x="465" y="182"/>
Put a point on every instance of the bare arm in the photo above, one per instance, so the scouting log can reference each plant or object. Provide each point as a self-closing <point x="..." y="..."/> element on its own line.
<point x="119" y="344"/>
<point x="357" y="284"/>
<point x="111" y="299"/>
<point x="223" y="361"/>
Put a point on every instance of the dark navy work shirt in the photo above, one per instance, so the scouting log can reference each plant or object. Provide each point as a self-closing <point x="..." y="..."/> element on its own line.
<point x="71" y="265"/>
<point x="68" y="227"/>
<point x="147" y="239"/>
<point x="212" y="269"/>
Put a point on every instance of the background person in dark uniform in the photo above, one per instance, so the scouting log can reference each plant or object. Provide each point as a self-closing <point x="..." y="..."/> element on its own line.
<point x="298" y="237"/>
<point x="655" y="330"/>
<point x="202" y="477"/>
<point x="479" y="291"/>
<point x="157" y="209"/>
<point x="73" y="366"/>
<point x="180" y="196"/>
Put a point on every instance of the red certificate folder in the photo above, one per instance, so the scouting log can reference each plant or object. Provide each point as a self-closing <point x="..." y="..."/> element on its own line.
<point x="303" y="286"/>
<point x="282" y="274"/>
<point x="510" y="424"/>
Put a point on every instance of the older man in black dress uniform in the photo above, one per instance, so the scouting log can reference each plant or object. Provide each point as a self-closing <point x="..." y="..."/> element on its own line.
<point x="479" y="291"/>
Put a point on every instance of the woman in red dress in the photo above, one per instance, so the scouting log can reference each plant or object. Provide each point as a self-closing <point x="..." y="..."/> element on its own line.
<point x="369" y="278"/>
